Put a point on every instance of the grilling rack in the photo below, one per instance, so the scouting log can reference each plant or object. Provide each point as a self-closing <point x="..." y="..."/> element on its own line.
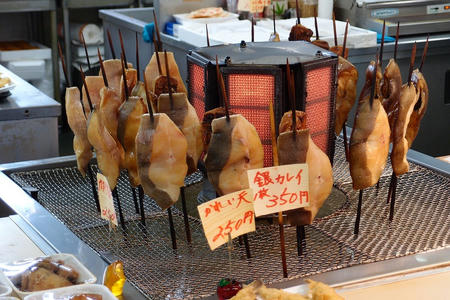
<point x="420" y="225"/>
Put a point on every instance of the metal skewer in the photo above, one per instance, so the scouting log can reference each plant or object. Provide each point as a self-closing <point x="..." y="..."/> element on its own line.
<point x="317" y="27"/>
<point x="382" y="45"/>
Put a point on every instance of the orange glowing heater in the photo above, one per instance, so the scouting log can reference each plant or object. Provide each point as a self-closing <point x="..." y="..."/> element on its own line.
<point x="254" y="75"/>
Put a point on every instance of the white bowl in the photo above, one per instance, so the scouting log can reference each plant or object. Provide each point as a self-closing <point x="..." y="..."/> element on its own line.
<point x="85" y="276"/>
<point x="73" y="290"/>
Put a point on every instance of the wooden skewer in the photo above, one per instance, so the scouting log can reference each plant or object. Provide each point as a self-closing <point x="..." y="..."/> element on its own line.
<point x="89" y="171"/>
<point x="135" y="200"/>
<point x="393" y="186"/>
<point x="374" y="82"/>
<point x="382" y="45"/>
<point x="291" y="94"/>
<point x="207" y="36"/>
<point x="158" y="62"/>
<point x="424" y="54"/>
<point x="358" y="213"/>
<point x="85" y="51"/>
<point x="297" y="12"/>
<point x="344" y="128"/>
<point x="102" y="68"/>
<point x="61" y="56"/>
<point x="138" y="69"/>
<point x="147" y="95"/>
<point x="411" y="62"/>
<point x="86" y="89"/>
<point x="149" y="105"/>
<point x="187" y="228"/>
<point x="222" y="89"/>
<point x="396" y="41"/>
<point x="123" y="50"/>
<point x="169" y="87"/>
<point x="280" y="214"/>
<point x="253" y="31"/>
<point x="372" y="94"/>
<point x="334" y="31"/>
<point x="141" y="204"/>
<point x="157" y="31"/>
<point x="124" y="76"/>
<point x="119" y="206"/>
<point x="172" y="229"/>
<point x="94" y="191"/>
<point x="345" y="41"/>
<point x="344" y="133"/>
<point x="273" y="16"/>
<point x="111" y="46"/>
<point x="317" y="27"/>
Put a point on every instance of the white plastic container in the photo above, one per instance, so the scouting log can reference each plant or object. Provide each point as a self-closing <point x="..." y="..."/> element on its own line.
<point x="72" y="291"/>
<point x="85" y="276"/>
<point x="42" y="52"/>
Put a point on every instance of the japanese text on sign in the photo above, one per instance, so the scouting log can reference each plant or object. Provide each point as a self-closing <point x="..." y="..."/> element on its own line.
<point x="279" y="188"/>
<point x="230" y="214"/>
<point x="106" y="200"/>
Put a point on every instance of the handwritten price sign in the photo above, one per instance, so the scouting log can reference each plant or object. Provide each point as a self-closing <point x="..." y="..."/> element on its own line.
<point x="230" y="214"/>
<point x="279" y="188"/>
<point x="106" y="200"/>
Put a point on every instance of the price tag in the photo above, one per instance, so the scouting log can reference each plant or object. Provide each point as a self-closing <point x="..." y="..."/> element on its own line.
<point x="230" y="214"/>
<point x="279" y="188"/>
<point x="106" y="200"/>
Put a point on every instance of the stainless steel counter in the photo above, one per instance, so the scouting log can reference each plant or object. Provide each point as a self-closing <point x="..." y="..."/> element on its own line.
<point x="51" y="235"/>
<point x="28" y="123"/>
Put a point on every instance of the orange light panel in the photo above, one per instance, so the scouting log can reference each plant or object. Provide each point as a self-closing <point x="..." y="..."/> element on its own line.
<point x="249" y="95"/>
<point x="318" y="89"/>
<point x="197" y="89"/>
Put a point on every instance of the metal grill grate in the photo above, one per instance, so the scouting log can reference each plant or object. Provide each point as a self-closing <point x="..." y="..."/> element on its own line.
<point x="421" y="223"/>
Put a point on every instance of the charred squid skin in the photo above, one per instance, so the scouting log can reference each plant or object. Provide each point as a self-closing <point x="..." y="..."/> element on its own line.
<point x="220" y="147"/>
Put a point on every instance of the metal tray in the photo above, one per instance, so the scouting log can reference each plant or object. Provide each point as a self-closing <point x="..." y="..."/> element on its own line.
<point x="153" y="267"/>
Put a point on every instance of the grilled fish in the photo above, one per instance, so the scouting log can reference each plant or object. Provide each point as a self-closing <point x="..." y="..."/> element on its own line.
<point x="161" y="158"/>
<point x="234" y="148"/>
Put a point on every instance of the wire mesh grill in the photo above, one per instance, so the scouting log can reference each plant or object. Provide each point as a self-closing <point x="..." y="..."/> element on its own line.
<point x="420" y="224"/>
